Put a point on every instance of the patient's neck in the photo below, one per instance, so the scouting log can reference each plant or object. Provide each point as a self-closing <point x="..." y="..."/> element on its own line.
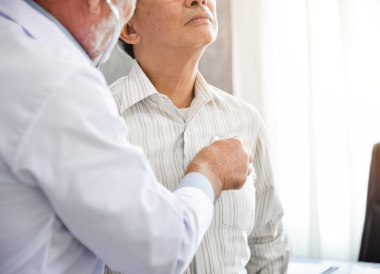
<point x="171" y="73"/>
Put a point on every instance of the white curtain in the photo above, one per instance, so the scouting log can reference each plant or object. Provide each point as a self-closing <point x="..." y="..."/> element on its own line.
<point x="312" y="68"/>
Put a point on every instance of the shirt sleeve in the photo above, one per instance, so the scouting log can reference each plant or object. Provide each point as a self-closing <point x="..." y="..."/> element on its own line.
<point x="267" y="242"/>
<point x="103" y="188"/>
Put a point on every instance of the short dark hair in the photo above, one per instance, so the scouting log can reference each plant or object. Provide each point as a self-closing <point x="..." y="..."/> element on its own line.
<point x="127" y="48"/>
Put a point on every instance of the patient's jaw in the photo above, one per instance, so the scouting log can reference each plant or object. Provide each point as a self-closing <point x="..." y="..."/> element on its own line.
<point x="168" y="38"/>
<point x="174" y="25"/>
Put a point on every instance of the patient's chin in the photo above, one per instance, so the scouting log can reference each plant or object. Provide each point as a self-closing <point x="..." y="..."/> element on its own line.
<point x="203" y="38"/>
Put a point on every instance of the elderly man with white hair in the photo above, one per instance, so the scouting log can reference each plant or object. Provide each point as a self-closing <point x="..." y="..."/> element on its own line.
<point x="74" y="194"/>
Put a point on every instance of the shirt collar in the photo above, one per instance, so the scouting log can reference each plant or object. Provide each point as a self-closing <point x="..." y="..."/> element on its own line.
<point x="205" y="91"/>
<point x="38" y="24"/>
<point x="138" y="87"/>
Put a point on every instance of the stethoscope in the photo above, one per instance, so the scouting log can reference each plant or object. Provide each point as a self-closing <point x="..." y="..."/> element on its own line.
<point x="115" y="35"/>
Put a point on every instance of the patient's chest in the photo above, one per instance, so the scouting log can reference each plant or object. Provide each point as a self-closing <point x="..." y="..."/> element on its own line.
<point x="170" y="143"/>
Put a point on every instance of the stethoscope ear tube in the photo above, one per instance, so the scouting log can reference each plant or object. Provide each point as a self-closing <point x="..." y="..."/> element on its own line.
<point x="115" y="35"/>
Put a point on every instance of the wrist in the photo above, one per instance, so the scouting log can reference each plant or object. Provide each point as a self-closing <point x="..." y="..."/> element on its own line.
<point x="214" y="180"/>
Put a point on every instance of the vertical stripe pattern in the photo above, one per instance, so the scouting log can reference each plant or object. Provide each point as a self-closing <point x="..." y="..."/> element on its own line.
<point x="246" y="234"/>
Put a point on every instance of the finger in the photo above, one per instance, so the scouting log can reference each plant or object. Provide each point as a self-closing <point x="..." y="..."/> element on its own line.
<point x="237" y="138"/>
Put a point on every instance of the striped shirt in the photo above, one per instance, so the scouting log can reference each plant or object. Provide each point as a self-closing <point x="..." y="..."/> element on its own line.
<point x="246" y="233"/>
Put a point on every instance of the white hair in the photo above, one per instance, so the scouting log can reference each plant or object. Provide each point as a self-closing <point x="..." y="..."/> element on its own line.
<point x="101" y="34"/>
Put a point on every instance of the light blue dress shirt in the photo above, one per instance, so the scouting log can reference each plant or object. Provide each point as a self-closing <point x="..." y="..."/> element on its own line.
<point x="73" y="192"/>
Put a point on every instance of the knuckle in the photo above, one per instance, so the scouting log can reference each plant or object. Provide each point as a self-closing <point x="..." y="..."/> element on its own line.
<point x="239" y="184"/>
<point x="237" y="140"/>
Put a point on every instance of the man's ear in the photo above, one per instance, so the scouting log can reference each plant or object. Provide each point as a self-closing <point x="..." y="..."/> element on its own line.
<point x="129" y="34"/>
<point x="94" y="6"/>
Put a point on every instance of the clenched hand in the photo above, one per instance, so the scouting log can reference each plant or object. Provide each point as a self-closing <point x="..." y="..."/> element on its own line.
<point x="225" y="163"/>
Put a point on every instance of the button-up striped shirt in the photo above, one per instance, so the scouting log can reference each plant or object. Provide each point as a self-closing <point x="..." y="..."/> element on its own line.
<point x="246" y="233"/>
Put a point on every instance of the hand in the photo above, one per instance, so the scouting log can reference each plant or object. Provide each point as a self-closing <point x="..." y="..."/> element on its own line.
<point x="225" y="163"/>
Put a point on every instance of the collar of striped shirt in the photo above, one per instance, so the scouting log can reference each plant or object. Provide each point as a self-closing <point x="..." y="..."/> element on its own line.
<point x="143" y="88"/>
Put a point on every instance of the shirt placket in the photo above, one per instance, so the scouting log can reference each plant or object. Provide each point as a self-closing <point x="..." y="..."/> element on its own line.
<point x="191" y="141"/>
